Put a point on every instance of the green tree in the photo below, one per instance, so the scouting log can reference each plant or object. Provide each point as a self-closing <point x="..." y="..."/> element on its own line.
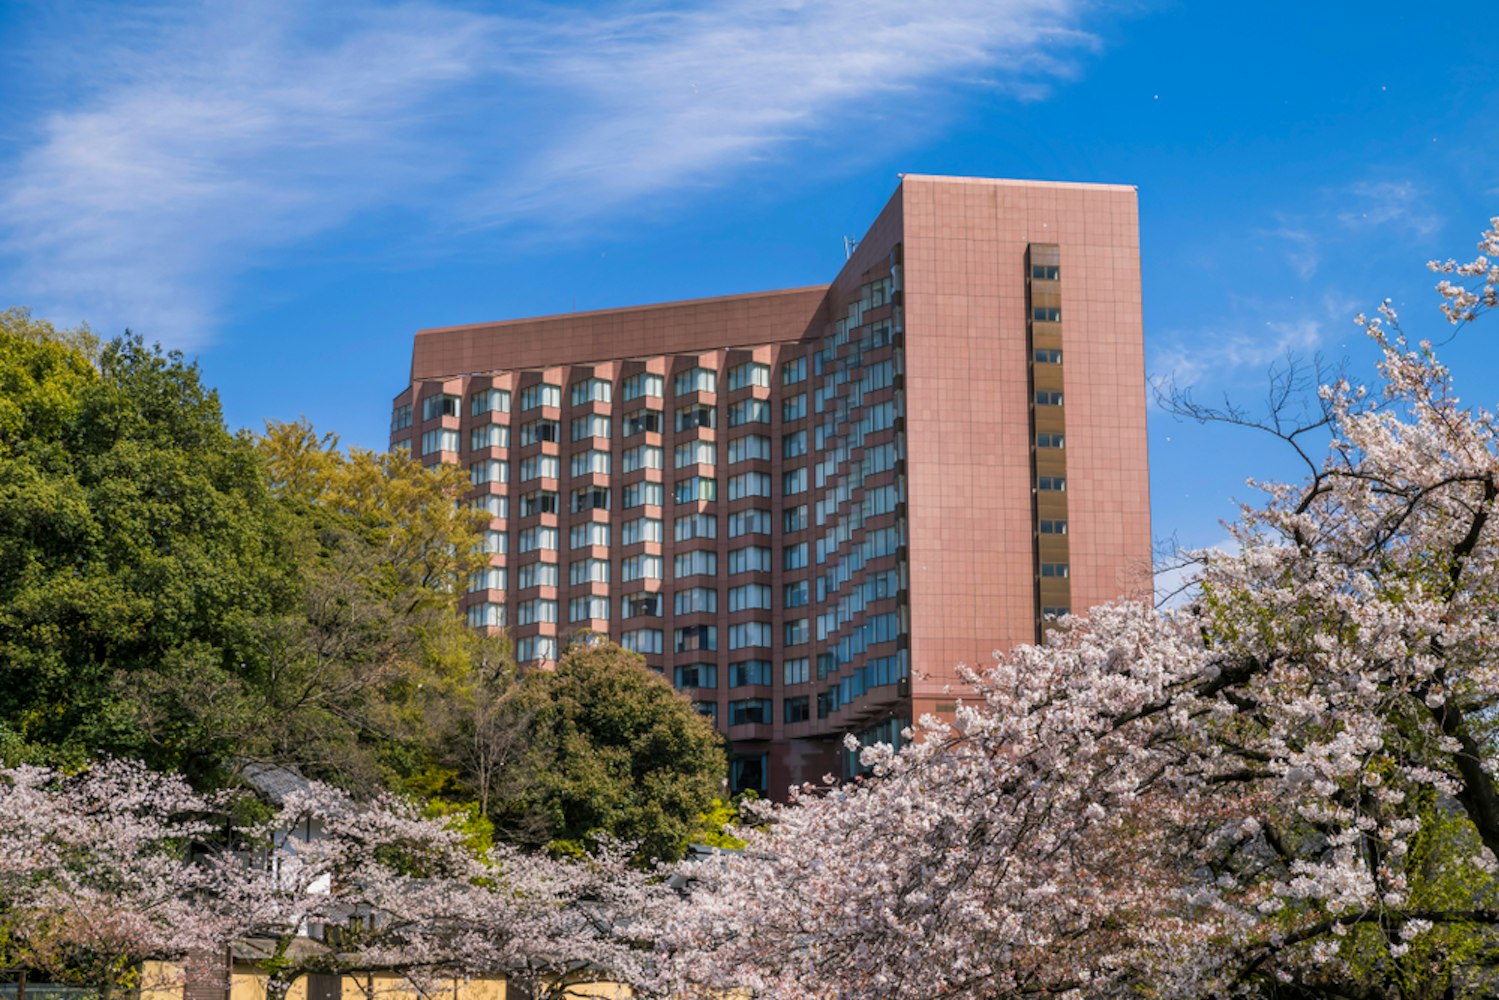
<point x="179" y="594"/>
<point x="620" y="753"/>
<point x="136" y="564"/>
<point x="381" y="548"/>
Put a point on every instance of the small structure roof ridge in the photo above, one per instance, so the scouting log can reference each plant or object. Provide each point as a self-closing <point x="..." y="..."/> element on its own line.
<point x="274" y="781"/>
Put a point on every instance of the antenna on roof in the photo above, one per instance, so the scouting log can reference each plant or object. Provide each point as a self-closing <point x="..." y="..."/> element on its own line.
<point x="850" y="244"/>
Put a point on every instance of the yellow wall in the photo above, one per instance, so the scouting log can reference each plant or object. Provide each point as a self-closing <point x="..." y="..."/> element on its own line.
<point x="164" y="981"/>
<point x="160" y="981"/>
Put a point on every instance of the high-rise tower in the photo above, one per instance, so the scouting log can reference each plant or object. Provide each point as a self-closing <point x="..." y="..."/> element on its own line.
<point x="808" y="507"/>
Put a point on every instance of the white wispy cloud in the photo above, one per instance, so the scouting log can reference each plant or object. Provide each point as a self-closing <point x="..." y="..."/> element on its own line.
<point x="1301" y="249"/>
<point x="234" y="134"/>
<point x="675" y="97"/>
<point x="199" y="142"/>
<point x="1397" y="205"/>
<point x="1222" y="355"/>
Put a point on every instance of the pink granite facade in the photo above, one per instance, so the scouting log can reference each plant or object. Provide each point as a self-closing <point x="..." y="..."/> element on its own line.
<point x="807" y="507"/>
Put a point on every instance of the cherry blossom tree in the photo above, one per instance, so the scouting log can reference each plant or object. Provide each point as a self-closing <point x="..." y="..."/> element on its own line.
<point x="1285" y="788"/>
<point x="105" y="869"/>
<point x="343" y="887"/>
<point x="95" y="876"/>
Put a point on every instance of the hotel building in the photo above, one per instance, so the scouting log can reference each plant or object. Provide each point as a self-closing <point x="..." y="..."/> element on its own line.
<point x="807" y="507"/>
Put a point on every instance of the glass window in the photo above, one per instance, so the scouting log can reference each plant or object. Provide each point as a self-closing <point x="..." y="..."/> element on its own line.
<point x="797" y="632"/>
<point x="749" y="411"/>
<point x="642" y="640"/>
<point x="750" y="772"/>
<point x="581" y="571"/>
<point x="794" y="407"/>
<point x="540" y="467"/>
<point x="748" y="374"/>
<point x="1050" y="441"/>
<point x="1048" y="356"/>
<point x="797" y="708"/>
<point x="591" y="426"/>
<point x="751" y="711"/>
<point x="793" y="371"/>
<point x="1045" y="272"/>
<point x="591" y="390"/>
<point x="594" y="607"/>
<point x="696" y="638"/>
<point x="1051" y="484"/>
<point x="643" y="456"/>
<point x="588" y="463"/>
<point x="491" y="471"/>
<point x="435" y="407"/>
<point x="695" y="453"/>
<point x="540" y="537"/>
<point x="486" y="615"/>
<point x="643" y="604"/>
<point x="796" y="670"/>
<point x="1054" y="569"/>
<point x="751" y="634"/>
<point x="641" y="567"/>
<point x="541" y="394"/>
<point x="536" y="574"/>
<point x="795" y="595"/>
<point x="690" y="526"/>
<point x="535" y="611"/>
<point x="591" y="533"/>
<point x="794" y="445"/>
<point x="795" y="556"/>
<point x="794" y="518"/>
<point x="538" y="502"/>
<point x="695" y="600"/>
<point x="489" y="436"/>
<point x="696" y="488"/>
<point x="1046" y="314"/>
<point x="699" y="415"/>
<point x="643" y="384"/>
<point x="1047" y="397"/>
<point x="749" y="596"/>
<point x="749" y="484"/>
<point x="696" y="380"/>
<point x="489" y="401"/>
<point x="749" y="522"/>
<point x="641" y="529"/>
<point x="642" y="494"/>
<point x="400" y="418"/>
<point x="590" y="498"/>
<point x="747" y="672"/>
<point x="750" y="446"/>
<point x="536" y="648"/>
<point x="697" y="675"/>
<point x="641" y="422"/>
<point x="695" y="563"/>
<point x="439" y="440"/>
<point x="538" y="430"/>
<point x="794" y="481"/>
<point x="750" y="559"/>
<point x="1053" y="527"/>
<point x="489" y="578"/>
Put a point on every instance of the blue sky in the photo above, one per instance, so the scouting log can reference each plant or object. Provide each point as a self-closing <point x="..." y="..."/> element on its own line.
<point x="289" y="190"/>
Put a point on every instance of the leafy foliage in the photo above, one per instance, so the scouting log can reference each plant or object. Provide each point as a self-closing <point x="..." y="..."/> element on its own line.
<point x="616" y="751"/>
<point x="137" y="564"/>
